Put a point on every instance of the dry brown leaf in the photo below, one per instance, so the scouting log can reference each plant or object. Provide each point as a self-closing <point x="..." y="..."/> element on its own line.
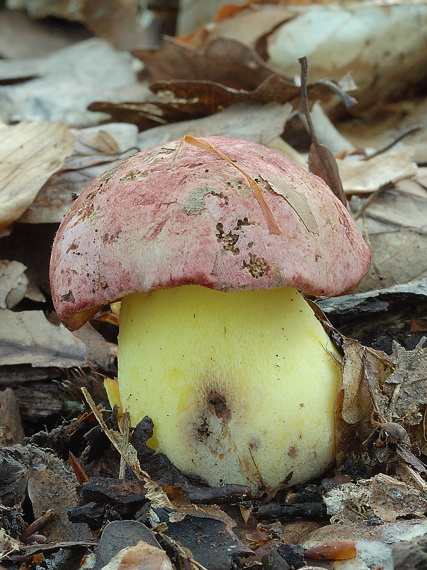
<point x="197" y="83"/>
<point x="395" y="224"/>
<point x="13" y="283"/>
<point x="360" y="399"/>
<point x="366" y="176"/>
<point x="322" y="162"/>
<point x="228" y="62"/>
<point x="391" y="499"/>
<point x="364" y="370"/>
<point x="95" y="150"/>
<point x="27" y="337"/>
<point x="203" y="96"/>
<point x="55" y="489"/>
<point x="184" y="100"/>
<point x="8" y="545"/>
<point x="382" y="497"/>
<point x="142" y="556"/>
<point x="256" y="123"/>
<point x="29" y="154"/>
<point x="297" y="201"/>
<point x="65" y="82"/>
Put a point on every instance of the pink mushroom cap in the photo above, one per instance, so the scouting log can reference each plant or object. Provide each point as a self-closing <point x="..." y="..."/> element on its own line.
<point x="171" y="216"/>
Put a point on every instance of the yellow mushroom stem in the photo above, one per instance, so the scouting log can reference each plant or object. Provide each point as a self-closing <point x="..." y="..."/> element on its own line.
<point x="241" y="386"/>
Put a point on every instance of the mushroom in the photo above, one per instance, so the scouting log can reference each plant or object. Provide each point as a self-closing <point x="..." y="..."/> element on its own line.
<point x="217" y="346"/>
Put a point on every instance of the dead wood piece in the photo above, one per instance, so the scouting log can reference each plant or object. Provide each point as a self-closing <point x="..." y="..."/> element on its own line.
<point x="11" y="430"/>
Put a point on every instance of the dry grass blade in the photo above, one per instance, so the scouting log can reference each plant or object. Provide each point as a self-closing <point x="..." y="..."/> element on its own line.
<point x="126" y="450"/>
<point x="186" y="555"/>
<point x="267" y="213"/>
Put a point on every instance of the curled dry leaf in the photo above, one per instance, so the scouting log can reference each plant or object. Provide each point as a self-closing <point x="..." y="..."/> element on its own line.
<point x="27" y="337"/>
<point x="225" y="61"/>
<point x="382" y="45"/>
<point x="8" y="545"/>
<point x="13" y="283"/>
<point x="95" y="149"/>
<point x="382" y="406"/>
<point x="68" y="80"/>
<point x="366" y="176"/>
<point x="142" y="556"/>
<point x="364" y="370"/>
<point x="189" y="99"/>
<point x="225" y="72"/>
<point x="29" y="154"/>
<point x="248" y="121"/>
<point x="382" y="497"/>
<point x="322" y="162"/>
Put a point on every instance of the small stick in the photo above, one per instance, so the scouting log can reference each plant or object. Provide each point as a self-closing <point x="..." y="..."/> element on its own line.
<point x="38" y="524"/>
<point x="372" y="198"/>
<point x="273" y="228"/>
<point x="393" y="142"/>
<point x="328" y="164"/>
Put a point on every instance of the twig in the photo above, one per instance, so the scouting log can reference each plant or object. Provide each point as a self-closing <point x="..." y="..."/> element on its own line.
<point x="154" y="492"/>
<point x="321" y="160"/>
<point x="373" y="197"/>
<point x="38" y="524"/>
<point x="349" y="101"/>
<point x="393" y="142"/>
<point x="124" y="427"/>
<point x="304" y="101"/>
